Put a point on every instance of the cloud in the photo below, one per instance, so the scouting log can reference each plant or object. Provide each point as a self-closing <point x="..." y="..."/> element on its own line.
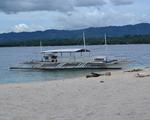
<point x="95" y="18"/>
<point x="66" y="14"/>
<point x="24" y="27"/>
<point x="122" y="2"/>
<point x="15" y="6"/>
<point x="90" y="3"/>
<point x="20" y="28"/>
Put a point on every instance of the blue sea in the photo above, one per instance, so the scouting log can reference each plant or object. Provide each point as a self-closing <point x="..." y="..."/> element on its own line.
<point x="10" y="56"/>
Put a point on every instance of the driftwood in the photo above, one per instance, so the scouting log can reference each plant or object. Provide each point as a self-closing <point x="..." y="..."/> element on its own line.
<point x="134" y="70"/>
<point x="96" y="74"/>
<point x="142" y="75"/>
<point x="101" y="81"/>
<point x="93" y="74"/>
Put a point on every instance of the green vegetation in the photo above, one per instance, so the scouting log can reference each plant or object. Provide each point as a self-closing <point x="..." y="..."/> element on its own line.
<point x="137" y="39"/>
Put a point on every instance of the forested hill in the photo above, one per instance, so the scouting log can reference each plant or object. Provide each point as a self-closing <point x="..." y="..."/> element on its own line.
<point x="111" y="31"/>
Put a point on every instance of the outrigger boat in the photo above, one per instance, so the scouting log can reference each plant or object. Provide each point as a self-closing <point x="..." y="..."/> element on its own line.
<point x="76" y="58"/>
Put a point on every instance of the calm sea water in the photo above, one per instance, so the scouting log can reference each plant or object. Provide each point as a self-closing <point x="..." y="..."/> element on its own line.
<point x="13" y="55"/>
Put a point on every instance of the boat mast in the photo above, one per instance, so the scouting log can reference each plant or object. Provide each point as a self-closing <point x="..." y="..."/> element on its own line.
<point x="84" y="41"/>
<point x="41" y="48"/>
<point x="105" y="37"/>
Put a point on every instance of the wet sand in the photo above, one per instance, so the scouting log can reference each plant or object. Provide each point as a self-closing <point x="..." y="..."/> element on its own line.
<point x="121" y="96"/>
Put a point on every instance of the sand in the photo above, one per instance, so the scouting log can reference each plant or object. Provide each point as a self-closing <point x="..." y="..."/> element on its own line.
<point x="121" y="96"/>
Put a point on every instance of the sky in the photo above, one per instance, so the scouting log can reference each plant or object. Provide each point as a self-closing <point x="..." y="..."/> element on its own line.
<point x="34" y="15"/>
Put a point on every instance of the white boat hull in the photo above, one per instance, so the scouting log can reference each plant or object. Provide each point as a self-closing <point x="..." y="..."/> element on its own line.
<point x="67" y="66"/>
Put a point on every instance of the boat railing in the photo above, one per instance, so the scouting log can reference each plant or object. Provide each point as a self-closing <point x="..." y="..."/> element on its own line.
<point x="121" y="57"/>
<point x="124" y="59"/>
<point x="81" y="64"/>
<point x="74" y="59"/>
<point x="60" y="65"/>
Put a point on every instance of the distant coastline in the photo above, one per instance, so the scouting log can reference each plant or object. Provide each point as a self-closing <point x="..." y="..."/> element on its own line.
<point x="127" y="34"/>
<point x="127" y="39"/>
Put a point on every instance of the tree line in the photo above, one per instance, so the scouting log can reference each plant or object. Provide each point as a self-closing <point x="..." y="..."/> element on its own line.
<point x="128" y="39"/>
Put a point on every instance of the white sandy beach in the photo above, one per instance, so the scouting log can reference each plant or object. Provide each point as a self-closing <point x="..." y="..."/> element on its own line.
<point x="122" y="96"/>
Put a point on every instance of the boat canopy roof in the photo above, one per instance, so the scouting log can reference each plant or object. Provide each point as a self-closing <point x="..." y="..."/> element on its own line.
<point x="101" y="57"/>
<point x="66" y="50"/>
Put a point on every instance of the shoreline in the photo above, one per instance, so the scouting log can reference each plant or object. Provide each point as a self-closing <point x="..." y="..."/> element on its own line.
<point x="120" y="96"/>
<point x="78" y="77"/>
